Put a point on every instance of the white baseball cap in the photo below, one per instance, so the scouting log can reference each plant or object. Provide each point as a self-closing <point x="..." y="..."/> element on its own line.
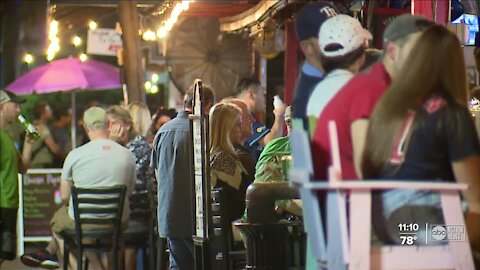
<point x="340" y="35"/>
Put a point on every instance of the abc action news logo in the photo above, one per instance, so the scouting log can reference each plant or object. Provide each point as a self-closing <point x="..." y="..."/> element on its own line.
<point x="447" y="233"/>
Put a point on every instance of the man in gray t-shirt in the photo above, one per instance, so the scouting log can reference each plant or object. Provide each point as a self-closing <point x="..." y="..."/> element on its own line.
<point x="101" y="162"/>
<point x="86" y="167"/>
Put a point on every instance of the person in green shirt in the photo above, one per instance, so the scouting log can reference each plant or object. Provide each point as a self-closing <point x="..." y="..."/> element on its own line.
<point x="11" y="163"/>
<point x="273" y="165"/>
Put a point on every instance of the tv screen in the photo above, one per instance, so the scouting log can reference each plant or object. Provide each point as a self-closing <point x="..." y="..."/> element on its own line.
<point x="472" y="22"/>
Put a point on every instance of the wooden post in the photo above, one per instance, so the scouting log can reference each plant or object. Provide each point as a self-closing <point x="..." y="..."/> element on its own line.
<point x="291" y="61"/>
<point x="134" y="71"/>
<point x="10" y="11"/>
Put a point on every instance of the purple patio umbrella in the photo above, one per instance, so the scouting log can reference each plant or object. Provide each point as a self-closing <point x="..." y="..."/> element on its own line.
<point x="68" y="74"/>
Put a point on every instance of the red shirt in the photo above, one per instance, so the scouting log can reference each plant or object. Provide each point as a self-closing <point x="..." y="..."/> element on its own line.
<point x="356" y="100"/>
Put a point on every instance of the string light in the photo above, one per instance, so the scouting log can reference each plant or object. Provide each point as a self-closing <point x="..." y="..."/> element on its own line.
<point x="92" y="25"/>
<point x="54" y="45"/>
<point x="167" y="25"/>
<point x="28" y="58"/>
<point x="155" y="78"/>
<point x="77" y="41"/>
<point x="148" y="85"/>
<point x="83" y="57"/>
<point x="163" y="8"/>
<point x="149" y="35"/>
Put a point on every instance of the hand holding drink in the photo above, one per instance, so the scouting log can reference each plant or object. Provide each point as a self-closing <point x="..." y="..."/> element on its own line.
<point x="32" y="132"/>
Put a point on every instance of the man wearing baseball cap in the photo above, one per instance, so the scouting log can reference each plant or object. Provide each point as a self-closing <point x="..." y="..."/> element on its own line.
<point x="87" y="164"/>
<point x="353" y="104"/>
<point x="11" y="163"/>
<point x="343" y="42"/>
<point x="307" y="24"/>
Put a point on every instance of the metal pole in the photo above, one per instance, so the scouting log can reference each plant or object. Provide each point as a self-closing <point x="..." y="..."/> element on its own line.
<point x="74" y="122"/>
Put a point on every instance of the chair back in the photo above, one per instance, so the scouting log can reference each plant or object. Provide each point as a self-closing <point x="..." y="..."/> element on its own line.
<point x="337" y="223"/>
<point x="142" y="204"/>
<point x="222" y="230"/>
<point x="353" y="248"/>
<point x="101" y="206"/>
<point x="144" y="236"/>
<point x="300" y="174"/>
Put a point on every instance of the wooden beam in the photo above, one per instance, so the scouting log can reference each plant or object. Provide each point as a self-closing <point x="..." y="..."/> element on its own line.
<point x="133" y="69"/>
<point x="251" y="16"/>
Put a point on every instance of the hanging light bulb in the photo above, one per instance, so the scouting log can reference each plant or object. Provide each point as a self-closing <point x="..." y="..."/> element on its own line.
<point x="148" y="85"/>
<point x="92" y="25"/>
<point x="149" y="35"/>
<point x="28" y="58"/>
<point x="77" y="41"/>
<point x="83" y="57"/>
<point x="155" y="78"/>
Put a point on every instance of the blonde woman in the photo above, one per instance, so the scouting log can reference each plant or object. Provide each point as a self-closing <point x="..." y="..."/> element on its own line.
<point x="125" y="130"/>
<point x="226" y="169"/>
<point x="141" y="117"/>
<point x="129" y="130"/>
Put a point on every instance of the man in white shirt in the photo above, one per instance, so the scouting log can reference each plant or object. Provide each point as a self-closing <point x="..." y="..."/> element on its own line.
<point x="342" y="41"/>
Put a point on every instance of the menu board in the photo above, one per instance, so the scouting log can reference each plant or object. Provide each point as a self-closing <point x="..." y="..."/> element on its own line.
<point x="40" y="199"/>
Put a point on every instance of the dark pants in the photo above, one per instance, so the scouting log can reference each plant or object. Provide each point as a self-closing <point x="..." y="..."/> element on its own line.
<point x="8" y="236"/>
<point x="181" y="253"/>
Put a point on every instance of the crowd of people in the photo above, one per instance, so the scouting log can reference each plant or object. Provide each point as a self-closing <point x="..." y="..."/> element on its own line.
<point x="403" y="115"/>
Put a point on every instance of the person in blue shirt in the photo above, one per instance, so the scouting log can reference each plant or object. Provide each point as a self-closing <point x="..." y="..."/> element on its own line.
<point x="307" y="24"/>
<point x="251" y="92"/>
<point x="172" y="161"/>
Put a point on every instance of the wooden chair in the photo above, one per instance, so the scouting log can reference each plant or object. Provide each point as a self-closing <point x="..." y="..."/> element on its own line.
<point x="350" y="244"/>
<point x="100" y="206"/>
<point x="228" y="254"/>
<point x="142" y="208"/>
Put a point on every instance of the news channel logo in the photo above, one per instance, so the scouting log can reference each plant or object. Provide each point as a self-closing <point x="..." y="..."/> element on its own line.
<point x="447" y="233"/>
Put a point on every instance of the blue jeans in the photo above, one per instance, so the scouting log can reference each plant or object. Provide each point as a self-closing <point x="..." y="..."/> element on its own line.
<point x="181" y="253"/>
<point x="405" y="206"/>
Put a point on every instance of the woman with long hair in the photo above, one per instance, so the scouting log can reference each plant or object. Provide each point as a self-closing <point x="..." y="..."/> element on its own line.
<point x="128" y="127"/>
<point x="141" y="118"/>
<point x="226" y="170"/>
<point x="421" y="129"/>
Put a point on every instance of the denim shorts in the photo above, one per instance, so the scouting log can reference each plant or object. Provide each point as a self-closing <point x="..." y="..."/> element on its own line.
<point x="405" y="206"/>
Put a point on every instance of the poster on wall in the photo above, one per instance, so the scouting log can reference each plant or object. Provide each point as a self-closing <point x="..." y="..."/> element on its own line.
<point x="103" y="41"/>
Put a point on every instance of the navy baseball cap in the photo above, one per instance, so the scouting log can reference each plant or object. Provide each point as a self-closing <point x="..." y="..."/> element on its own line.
<point x="309" y="19"/>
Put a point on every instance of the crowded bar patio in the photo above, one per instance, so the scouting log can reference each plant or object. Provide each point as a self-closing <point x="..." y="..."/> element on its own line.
<point x="240" y="134"/>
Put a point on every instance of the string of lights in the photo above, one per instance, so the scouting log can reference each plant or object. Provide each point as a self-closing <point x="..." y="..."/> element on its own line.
<point x="54" y="41"/>
<point x="167" y="24"/>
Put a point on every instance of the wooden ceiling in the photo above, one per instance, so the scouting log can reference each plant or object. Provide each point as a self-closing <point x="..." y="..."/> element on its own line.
<point x="217" y="8"/>
<point x="74" y="13"/>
